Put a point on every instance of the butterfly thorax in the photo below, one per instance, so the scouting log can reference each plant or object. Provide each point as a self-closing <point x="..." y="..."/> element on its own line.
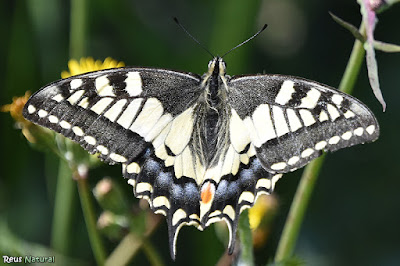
<point x="213" y="121"/>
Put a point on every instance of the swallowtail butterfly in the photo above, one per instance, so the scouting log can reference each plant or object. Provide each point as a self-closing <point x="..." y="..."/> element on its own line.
<point x="201" y="149"/>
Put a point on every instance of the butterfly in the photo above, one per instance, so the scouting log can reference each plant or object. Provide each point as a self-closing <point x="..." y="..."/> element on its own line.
<point x="201" y="149"/>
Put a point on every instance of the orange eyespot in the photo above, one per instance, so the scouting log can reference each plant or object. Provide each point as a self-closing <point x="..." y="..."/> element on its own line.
<point x="207" y="192"/>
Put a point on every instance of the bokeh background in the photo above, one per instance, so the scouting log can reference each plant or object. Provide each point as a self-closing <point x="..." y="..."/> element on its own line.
<point x="354" y="214"/>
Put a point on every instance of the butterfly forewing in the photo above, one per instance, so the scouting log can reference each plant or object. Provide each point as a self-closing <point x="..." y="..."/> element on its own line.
<point x="291" y="120"/>
<point x="198" y="159"/>
<point x="112" y="111"/>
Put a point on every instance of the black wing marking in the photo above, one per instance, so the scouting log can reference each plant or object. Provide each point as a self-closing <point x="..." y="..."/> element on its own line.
<point x="103" y="110"/>
<point x="292" y="120"/>
<point x="126" y="115"/>
<point x="179" y="199"/>
<point x="145" y="119"/>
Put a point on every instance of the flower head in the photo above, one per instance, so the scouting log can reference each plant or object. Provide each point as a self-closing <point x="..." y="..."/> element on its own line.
<point x="260" y="218"/>
<point x="88" y="64"/>
<point x="15" y="109"/>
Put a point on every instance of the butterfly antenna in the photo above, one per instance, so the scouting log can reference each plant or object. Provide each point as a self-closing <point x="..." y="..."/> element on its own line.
<point x="249" y="39"/>
<point x="193" y="38"/>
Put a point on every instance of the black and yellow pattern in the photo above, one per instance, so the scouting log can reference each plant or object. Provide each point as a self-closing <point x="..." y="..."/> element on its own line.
<point x="201" y="149"/>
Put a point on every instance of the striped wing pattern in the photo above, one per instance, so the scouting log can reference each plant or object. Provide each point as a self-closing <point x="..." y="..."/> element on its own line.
<point x="291" y="120"/>
<point x="146" y="119"/>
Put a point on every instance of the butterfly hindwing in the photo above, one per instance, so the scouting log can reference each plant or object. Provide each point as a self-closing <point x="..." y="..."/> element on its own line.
<point x="292" y="120"/>
<point x="201" y="149"/>
<point x="142" y="118"/>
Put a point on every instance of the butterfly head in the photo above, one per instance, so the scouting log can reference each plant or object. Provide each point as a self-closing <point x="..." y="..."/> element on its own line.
<point x="216" y="66"/>
<point x="214" y="78"/>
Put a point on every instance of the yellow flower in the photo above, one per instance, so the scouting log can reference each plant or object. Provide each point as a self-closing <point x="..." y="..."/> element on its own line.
<point x="260" y="218"/>
<point x="33" y="132"/>
<point x="263" y="205"/>
<point x="15" y="109"/>
<point x="87" y="64"/>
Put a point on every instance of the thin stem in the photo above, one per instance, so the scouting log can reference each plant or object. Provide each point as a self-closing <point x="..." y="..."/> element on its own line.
<point x="125" y="251"/>
<point x="131" y="244"/>
<point x="301" y="199"/>
<point x="298" y="209"/>
<point x="90" y="220"/>
<point x="246" y="240"/>
<point x="77" y="50"/>
<point x="353" y="66"/>
<point x="78" y="23"/>
<point x="61" y="229"/>
<point x="151" y="253"/>
<point x="63" y="209"/>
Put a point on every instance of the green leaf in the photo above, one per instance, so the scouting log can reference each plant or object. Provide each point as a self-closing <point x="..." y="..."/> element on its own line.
<point x="246" y="240"/>
<point x="386" y="47"/>
<point x="372" y="66"/>
<point x="378" y="45"/>
<point x="349" y="27"/>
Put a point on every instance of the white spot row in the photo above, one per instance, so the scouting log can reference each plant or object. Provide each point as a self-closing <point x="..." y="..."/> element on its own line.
<point x="31" y="109"/>
<point x="53" y="119"/>
<point x="42" y="113"/>
<point x="103" y="150"/>
<point x="79" y="132"/>
<point x="92" y="141"/>
<point x="321" y="145"/>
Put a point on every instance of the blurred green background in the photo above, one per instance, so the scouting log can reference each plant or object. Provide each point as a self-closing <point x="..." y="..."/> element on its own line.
<point x="354" y="214"/>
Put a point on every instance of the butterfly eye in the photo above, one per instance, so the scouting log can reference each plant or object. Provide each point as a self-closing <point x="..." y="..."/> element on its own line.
<point x="210" y="63"/>
<point x="223" y="64"/>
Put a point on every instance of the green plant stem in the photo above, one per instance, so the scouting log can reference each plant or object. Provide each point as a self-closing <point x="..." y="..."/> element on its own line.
<point x="246" y="240"/>
<point x="130" y="245"/>
<point x="298" y="209"/>
<point x="301" y="199"/>
<point x="63" y="209"/>
<point x="78" y="23"/>
<point x="152" y="254"/>
<point x="90" y="220"/>
<point x="353" y="66"/>
<point x="77" y="49"/>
